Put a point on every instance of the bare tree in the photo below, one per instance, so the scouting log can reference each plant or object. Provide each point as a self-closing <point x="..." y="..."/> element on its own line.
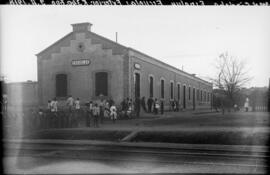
<point x="232" y="75"/>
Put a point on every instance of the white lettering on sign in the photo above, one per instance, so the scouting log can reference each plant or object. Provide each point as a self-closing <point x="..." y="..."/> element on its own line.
<point x="83" y="62"/>
<point x="137" y="66"/>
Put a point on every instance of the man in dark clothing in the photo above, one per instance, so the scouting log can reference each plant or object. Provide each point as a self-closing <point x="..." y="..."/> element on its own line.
<point x="137" y="107"/>
<point x="149" y="104"/>
<point x="143" y="104"/>
<point x="161" y="107"/>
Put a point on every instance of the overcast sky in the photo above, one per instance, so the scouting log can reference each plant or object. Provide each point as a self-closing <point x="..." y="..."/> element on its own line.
<point x="188" y="37"/>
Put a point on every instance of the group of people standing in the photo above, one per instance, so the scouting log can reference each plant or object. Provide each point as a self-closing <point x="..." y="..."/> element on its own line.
<point x="100" y="109"/>
<point x="153" y="105"/>
<point x="130" y="107"/>
<point x="96" y="110"/>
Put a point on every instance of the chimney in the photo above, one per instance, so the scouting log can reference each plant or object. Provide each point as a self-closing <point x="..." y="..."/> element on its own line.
<point x="82" y="27"/>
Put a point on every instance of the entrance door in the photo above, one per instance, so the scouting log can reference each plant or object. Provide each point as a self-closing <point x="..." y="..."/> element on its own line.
<point x="137" y="85"/>
<point x="184" y="97"/>
<point x="193" y="99"/>
<point x="101" y="84"/>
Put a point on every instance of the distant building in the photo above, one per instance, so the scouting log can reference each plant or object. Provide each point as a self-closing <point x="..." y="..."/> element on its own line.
<point x="86" y="65"/>
<point x="22" y="93"/>
<point x="258" y="97"/>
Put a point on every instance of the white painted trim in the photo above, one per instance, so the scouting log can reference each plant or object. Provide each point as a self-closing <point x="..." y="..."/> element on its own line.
<point x="151" y="75"/>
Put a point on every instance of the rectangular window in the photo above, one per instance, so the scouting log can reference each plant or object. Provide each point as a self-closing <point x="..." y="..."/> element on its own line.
<point x="151" y="86"/>
<point x="201" y="96"/>
<point x="171" y="90"/>
<point x="162" y="89"/>
<point x="61" y="85"/>
<point x="198" y="95"/>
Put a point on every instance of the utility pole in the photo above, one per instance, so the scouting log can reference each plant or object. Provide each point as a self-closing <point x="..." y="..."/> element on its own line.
<point x="116" y="37"/>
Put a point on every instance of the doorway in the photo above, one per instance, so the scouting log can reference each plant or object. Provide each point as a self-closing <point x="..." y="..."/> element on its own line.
<point x="137" y="85"/>
<point x="193" y="99"/>
<point x="101" y="84"/>
<point x="184" y="97"/>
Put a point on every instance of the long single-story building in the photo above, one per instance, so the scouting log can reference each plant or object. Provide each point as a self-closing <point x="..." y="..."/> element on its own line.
<point x="85" y="65"/>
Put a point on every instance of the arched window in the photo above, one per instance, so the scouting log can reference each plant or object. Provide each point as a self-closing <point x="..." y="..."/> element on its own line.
<point x="61" y="85"/>
<point x="151" y="86"/>
<point x="101" y="83"/>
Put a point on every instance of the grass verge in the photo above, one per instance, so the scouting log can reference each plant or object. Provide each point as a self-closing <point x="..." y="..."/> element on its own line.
<point x="205" y="137"/>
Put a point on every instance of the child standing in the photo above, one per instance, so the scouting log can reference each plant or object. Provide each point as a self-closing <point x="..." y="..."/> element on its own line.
<point x="113" y="113"/>
<point x="96" y="113"/>
<point x="77" y="113"/>
<point x="90" y="114"/>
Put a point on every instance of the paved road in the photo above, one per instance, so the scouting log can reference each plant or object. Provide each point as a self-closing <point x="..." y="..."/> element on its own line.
<point x="83" y="158"/>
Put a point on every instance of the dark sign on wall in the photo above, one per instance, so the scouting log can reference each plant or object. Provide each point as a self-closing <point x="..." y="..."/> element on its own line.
<point x="82" y="62"/>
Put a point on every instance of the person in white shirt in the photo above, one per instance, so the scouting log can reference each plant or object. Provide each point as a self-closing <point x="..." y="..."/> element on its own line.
<point x="113" y="113"/>
<point x="54" y="104"/>
<point x="96" y="113"/>
<point x="90" y="114"/>
<point x="107" y="110"/>
<point x="70" y="103"/>
<point x="49" y="105"/>
<point x="77" y="104"/>
<point x="54" y="109"/>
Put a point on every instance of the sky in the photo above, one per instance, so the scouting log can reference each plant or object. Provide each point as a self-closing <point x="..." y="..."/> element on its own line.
<point x="189" y="38"/>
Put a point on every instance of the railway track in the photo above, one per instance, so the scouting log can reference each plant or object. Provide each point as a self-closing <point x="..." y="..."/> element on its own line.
<point x="202" y="156"/>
